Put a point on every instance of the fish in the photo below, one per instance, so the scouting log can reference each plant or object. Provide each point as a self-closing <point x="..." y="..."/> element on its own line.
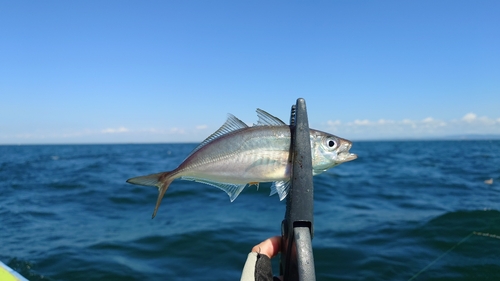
<point x="238" y="155"/>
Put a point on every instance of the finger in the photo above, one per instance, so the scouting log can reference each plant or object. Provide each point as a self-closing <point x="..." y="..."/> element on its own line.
<point x="269" y="247"/>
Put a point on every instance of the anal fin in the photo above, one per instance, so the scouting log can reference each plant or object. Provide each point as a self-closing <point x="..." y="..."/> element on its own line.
<point x="233" y="190"/>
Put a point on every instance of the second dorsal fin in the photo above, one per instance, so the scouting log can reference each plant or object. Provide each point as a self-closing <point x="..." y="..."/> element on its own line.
<point x="266" y="119"/>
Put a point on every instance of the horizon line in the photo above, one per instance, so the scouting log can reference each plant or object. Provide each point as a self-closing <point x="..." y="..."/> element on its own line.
<point x="471" y="137"/>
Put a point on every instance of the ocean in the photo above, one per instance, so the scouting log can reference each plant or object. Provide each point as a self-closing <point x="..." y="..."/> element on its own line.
<point x="404" y="210"/>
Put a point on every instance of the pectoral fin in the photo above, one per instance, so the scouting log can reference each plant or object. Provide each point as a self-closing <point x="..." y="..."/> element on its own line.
<point x="280" y="187"/>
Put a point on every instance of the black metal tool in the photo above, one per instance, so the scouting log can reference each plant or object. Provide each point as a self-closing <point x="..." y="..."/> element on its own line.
<point x="297" y="261"/>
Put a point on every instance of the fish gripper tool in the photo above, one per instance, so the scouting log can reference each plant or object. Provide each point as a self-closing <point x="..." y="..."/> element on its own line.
<point x="297" y="260"/>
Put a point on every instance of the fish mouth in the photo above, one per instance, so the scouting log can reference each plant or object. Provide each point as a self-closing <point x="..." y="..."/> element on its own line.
<point x="347" y="156"/>
<point x="344" y="155"/>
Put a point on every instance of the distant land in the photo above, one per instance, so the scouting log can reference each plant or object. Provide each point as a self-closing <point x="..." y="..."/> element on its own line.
<point x="473" y="137"/>
<point x="464" y="137"/>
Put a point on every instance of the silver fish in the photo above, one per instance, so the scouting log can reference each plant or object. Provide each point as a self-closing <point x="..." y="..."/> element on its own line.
<point x="237" y="155"/>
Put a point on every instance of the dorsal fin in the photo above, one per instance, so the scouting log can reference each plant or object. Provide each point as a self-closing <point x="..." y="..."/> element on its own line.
<point x="266" y="119"/>
<point x="232" y="124"/>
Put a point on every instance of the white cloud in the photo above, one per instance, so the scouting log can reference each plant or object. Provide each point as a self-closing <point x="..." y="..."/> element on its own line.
<point x="333" y="123"/>
<point x="357" y="129"/>
<point x="166" y="131"/>
<point x="472" y="118"/>
<point x="201" y="127"/>
<point x="364" y="122"/>
<point x="384" y="121"/>
<point x="115" y="130"/>
<point x="176" y="130"/>
<point x="469" y="117"/>
<point x="431" y="122"/>
<point x="152" y="130"/>
<point x="407" y="128"/>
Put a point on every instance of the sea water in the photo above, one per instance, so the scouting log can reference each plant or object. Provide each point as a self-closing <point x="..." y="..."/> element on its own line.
<point x="402" y="210"/>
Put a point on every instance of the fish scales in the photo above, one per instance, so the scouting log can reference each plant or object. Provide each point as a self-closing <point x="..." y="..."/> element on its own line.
<point x="252" y="154"/>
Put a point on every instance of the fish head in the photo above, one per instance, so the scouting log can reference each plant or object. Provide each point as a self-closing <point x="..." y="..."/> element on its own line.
<point x="328" y="151"/>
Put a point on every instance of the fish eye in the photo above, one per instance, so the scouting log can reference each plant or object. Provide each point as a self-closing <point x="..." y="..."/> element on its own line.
<point x="330" y="143"/>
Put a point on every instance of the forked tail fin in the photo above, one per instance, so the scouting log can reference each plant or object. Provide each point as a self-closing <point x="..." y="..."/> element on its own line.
<point x="160" y="180"/>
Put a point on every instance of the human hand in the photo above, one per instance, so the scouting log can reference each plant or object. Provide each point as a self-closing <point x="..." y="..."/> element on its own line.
<point x="258" y="265"/>
<point x="269" y="247"/>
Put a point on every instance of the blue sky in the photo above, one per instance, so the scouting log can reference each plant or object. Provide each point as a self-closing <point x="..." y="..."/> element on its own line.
<point x="170" y="71"/>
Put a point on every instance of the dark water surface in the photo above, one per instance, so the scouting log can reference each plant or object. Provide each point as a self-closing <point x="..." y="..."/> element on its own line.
<point x="66" y="213"/>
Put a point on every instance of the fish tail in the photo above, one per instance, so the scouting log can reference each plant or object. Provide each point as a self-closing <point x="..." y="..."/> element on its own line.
<point x="160" y="180"/>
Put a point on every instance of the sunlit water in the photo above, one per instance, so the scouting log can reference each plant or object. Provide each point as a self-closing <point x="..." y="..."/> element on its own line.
<point x="66" y="213"/>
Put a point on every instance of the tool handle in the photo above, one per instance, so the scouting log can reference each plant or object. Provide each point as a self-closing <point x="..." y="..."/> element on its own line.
<point x="297" y="261"/>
